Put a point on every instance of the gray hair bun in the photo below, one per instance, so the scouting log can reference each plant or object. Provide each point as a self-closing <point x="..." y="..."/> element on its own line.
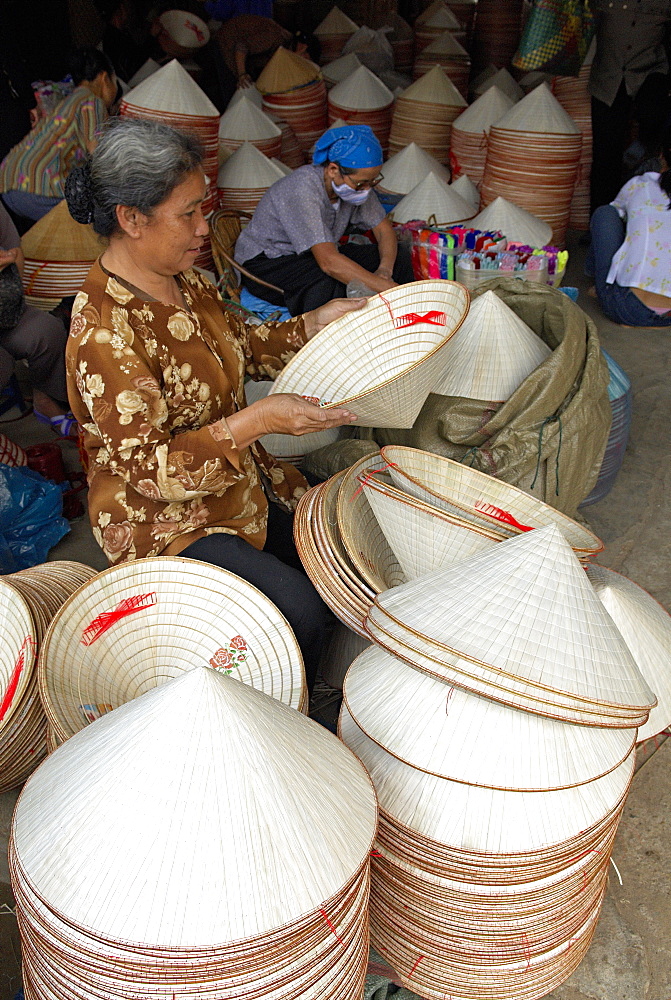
<point x="79" y="194"/>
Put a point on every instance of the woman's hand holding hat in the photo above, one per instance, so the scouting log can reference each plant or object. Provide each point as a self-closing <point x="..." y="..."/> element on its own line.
<point x="284" y="413"/>
<point x="319" y="318"/>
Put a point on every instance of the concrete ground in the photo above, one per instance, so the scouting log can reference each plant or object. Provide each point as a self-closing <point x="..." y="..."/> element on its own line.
<point x="630" y="958"/>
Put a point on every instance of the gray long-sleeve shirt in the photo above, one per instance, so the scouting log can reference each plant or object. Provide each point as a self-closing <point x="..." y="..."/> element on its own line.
<point x="295" y="214"/>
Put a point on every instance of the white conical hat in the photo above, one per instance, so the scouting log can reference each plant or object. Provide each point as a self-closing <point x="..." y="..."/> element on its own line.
<point x="505" y="82"/>
<point x="453" y="734"/>
<point x="247" y="121"/>
<point x="439" y="15"/>
<point x="484" y="112"/>
<point x="248" y="167"/>
<point x="179" y="796"/>
<point x="146" y="69"/>
<point x="432" y="197"/>
<point x="434" y="87"/>
<point x="487" y="73"/>
<point x="171" y="89"/>
<point x="526" y="608"/>
<point x="646" y="629"/>
<point x="246" y="94"/>
<point x="445" y="45"/>
<point x="539" y="111"/>
<point x="341" y="68"/>
<point x="467" y="189"/>
<point x="336" y="23"/>
<point x="361" y="91"/>
<point x="483" y="820"/>
<point x="518" y="225"/>
<point x="491" y="354"/>
<point x="406" y="169"/>
<point x="281" y="166"/>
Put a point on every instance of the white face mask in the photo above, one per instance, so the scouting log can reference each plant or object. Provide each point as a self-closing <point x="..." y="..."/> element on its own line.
<point x="347" y="193"/>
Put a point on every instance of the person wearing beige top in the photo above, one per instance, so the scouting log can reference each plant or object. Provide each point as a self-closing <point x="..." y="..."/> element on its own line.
<point x="156" y="370"/>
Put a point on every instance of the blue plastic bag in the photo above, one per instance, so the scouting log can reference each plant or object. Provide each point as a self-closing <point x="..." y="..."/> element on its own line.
<point x="31" y="518"/>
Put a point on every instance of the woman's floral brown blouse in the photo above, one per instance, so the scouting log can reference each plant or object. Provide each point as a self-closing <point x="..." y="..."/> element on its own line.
<point x="149" y="384"/>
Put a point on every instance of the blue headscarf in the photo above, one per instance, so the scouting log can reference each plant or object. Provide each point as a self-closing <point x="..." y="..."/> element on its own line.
<point x="354" y="147"/>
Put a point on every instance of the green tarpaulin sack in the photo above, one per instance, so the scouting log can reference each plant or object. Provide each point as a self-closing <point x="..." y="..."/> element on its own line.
<point x="556" y="37"/>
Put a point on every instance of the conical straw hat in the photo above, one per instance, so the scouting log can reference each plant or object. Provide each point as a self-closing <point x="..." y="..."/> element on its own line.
<point x="130" y="811"/>
<point x="361" y="91"/>
<point x="483" y="820"/>
<point x="225" y="621"/>
<point x="505" y="82"/>
<point x="145" y="71"/>
<point x="439" y="15"/>
<point x="248" y="167"/>
<point x="468" y="191"/>
<point x="246" y="94"/>
<point x="453" y="734"/>
<point x="185" y="28"/>
<point x="341" y="68"/>
<point x="281" y="166"/>
<point x="382" y="361"/>
<point x="56" y="236"/>
<point x="433" y="198"/>
<point x="246" y="121"/>
<point x="541" y="622"/>
<point x="539" y="111"/>
<point x="484" y="112"/>
<point x="516" y="224"/>
<point x="336" y="23"/>
<point x="284" y="71"/>
<point x="171" y="89"/>
<point x="422" y="538"/>
<point x="406" y="169"/>
<point x="487" y="73"/>
<point x="646" y="629"/>
<point x="444" y="45"/>
<point x="492" y="354"/>
<point x="435" y="87"/>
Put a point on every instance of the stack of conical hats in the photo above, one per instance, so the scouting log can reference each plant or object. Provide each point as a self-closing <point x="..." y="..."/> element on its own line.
<point x="424" y="114"/>
<point x="497" y="31"/>
<point x="490" y="867"/>
<point x="245" y="177"/>
<point x="447" y="52"/>
<point x="132" y="628"/>
<point x="245" y="122"/>
<point x="646" y="628"/>
<point x="533" y="154"/>
<point x="362" y="99"/>
<point x="246" y="94"/>
<point x="504" y="81"/>
<point x="58" y="255"/>
<point x="340" y="69"/>
<point x="465" y="11"/>
<point x="294" y="90"/>
<point x="172" y="97"/>
<point x="492" y="353"/>
<point x="433" y="22"/>
<point x="402" y="41"/>
<point x="403" y="172"/>
<point x="467" y="189"/>
<point x="470" y="130"/>
<point x="30" y="599"/>
<point x="179" y="796"/>
<point x="573" y="94"/>
<point x="291" y="153"/>
<point x="490" y="864"/>
<point x="516" y="224"/>
<point x="432" y="200"/>
<point x="333" y="32"/>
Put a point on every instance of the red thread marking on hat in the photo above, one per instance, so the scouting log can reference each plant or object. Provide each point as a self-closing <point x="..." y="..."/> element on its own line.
<point x="501" y="515"/>
<point x="526" y="949"/>
<point x="433" y="318"/>
<point x="368" y="477"/>
<point x="415" y="966"/>
<point x="104" y="621"/>
<point x="325" y="915"/>
<point x="14" y="679"/>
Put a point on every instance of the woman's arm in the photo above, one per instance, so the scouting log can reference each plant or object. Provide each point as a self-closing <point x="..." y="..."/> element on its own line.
<point x="337" y="266"/>
<point x="284" y="413"/>
<point x="388" y="247"/>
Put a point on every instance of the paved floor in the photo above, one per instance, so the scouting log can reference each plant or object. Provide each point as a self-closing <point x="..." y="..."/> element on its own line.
<point x="630" y="958"/>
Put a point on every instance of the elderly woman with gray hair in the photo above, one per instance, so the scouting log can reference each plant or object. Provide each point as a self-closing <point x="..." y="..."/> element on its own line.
<point x="156" y="369"/>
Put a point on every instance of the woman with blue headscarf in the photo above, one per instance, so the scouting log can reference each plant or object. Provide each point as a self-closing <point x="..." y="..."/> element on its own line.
<point x="293" y="239"/>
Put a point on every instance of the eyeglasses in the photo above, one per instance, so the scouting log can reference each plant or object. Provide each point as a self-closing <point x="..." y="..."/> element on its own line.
<point x="362" y="185"/>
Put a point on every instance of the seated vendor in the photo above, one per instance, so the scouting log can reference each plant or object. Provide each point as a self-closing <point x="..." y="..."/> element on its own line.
<point x="156" y="368"/>
<point x="292" y="240"/>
